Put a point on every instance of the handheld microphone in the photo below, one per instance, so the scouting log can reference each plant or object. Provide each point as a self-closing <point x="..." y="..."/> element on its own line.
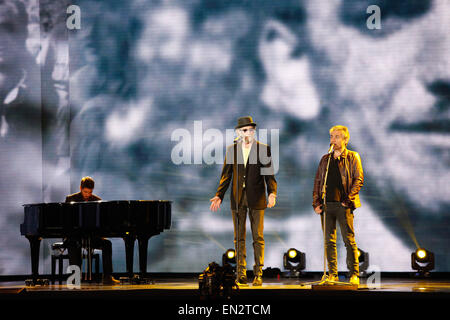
<point x="331" y="148"/>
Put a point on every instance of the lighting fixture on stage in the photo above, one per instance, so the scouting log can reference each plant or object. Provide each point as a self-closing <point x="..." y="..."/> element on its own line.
<point x="229" y="257"/>
<point x="422" y="260"/>
<point x="294" y="261"/>
<point x="217" y="282"/>
<point x="363" y="258"/>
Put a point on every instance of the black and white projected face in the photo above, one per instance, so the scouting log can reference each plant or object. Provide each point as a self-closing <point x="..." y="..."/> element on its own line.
<point x="141" y="70"/>
<point x="392" y="88"/>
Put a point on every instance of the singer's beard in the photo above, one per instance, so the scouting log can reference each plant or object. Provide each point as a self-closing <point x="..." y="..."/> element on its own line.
<point x="248" y="140"/>
<point x="338" y="148"/>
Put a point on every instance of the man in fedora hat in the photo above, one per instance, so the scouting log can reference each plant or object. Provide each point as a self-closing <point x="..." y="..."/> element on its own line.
<point x="251" y="161"/>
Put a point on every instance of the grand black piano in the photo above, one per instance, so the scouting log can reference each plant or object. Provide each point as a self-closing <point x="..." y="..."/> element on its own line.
<point x="130" y="220"/>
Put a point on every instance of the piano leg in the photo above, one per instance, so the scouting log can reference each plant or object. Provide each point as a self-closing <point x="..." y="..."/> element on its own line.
<point x="35" y="244"/>
<point x="143" y="247"/>
<point x="129" y="253"/>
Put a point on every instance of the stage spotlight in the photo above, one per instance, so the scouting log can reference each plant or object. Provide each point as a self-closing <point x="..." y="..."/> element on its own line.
<point x="363" y="258"/>
<point x="422" y="260"/>
<point x="294" y="261"/>
<point x="421" y="254"/>
<point x="229" y="257"/>
<point x="292" y="253"/>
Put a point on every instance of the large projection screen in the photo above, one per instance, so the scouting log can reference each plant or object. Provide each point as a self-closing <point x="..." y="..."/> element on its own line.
<point x="144" y="95"/>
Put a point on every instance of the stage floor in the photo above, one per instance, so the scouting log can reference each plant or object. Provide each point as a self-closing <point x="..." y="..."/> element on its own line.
<point x="178" y="298"/>
<point x="186" y="288"/>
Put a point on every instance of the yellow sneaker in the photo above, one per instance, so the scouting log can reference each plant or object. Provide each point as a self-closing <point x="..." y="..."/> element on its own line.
<point x="257" y="282"/>
<point x="354" y="279"/>
<point x="332" y="277"/>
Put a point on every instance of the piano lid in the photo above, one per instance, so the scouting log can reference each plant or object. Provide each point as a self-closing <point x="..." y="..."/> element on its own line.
<point x="98" y="201"/>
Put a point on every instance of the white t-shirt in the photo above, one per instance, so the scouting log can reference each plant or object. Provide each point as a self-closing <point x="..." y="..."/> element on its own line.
<point x="245" y="153"/>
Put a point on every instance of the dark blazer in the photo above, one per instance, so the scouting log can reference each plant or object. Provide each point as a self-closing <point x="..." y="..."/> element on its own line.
<point x="78" y="197"/>
<point x="257" y="175"/>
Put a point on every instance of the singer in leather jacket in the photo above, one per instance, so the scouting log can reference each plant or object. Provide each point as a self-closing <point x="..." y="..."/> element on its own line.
<point x="352" y="176"/>
<point x="343" y="182"/>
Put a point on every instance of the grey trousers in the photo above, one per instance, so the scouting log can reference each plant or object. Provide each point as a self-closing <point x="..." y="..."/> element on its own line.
<point x="344" y="216"/>
<point x="257" y="226"/>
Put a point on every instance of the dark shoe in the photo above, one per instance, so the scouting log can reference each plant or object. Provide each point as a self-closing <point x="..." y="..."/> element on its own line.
<point x="242" y="281"/>
<point x="257" y="282"/>
<point x="109" y="280"/>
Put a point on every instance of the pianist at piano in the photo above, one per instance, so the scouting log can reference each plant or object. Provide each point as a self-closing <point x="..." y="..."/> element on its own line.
<point x="130" y="220"/>
<point x="86" y="187"/>
<point x="73" y="243"/>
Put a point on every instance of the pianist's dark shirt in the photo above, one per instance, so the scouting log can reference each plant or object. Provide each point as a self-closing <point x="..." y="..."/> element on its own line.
<point x="78" y="197"/>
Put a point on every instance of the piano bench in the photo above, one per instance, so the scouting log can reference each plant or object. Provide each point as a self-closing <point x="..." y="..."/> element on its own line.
<point x="59" y="255"/>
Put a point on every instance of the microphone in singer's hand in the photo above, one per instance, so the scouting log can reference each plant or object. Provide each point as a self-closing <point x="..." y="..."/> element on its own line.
<point x="331" y="148"/>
